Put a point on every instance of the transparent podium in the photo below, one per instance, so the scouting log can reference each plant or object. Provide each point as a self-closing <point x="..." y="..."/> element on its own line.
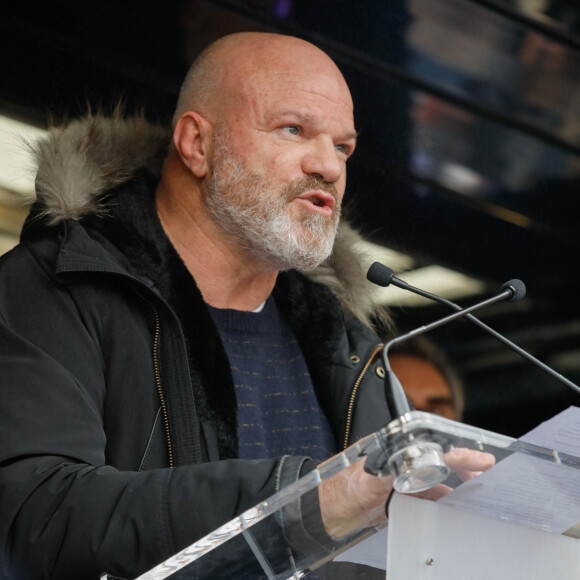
<point x="284" y="537"/>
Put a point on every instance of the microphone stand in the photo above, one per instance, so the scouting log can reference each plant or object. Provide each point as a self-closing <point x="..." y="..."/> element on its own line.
<point x="396" y="398"/>
<point x="383" y="276"/>
<point x="417" y="464"/>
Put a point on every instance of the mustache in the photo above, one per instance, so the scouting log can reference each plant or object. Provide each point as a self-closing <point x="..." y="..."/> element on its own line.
<point x="310" y="182"/>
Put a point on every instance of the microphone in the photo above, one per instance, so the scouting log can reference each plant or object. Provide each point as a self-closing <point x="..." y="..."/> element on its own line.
<point x="394" y="393"/>
<point x="417" y="465"/>
<point x="384" y="276"/>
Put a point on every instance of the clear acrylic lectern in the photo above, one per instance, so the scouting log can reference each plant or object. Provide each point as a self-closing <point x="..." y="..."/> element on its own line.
<point x="283" y="537"/>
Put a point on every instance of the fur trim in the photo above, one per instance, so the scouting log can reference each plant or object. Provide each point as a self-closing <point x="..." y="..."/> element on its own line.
<point x="79" y="163"/>
<point x="342" y="272"/>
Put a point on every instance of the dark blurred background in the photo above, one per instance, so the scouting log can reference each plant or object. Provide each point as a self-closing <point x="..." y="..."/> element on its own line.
<point x="468" y="159"/>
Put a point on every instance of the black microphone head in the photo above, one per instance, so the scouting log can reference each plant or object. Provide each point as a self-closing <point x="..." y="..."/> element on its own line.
<point x="517" y="287"/>
<point x="380" y="274"/>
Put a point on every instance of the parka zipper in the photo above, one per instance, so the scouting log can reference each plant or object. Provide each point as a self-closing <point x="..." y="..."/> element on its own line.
<point x="157" y="374"/>
<point x="353" y="394"/>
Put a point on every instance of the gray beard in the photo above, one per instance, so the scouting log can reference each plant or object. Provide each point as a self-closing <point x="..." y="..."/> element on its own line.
<point x="255" y="214"/>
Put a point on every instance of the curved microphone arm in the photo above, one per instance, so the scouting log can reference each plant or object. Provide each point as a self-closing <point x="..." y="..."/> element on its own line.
<point x="384" y="276"/>
<point x="394" y="393"/>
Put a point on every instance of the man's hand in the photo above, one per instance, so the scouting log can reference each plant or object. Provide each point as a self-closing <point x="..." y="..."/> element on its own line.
<point x="465" y="463"/>
<point x="354" y="499"/>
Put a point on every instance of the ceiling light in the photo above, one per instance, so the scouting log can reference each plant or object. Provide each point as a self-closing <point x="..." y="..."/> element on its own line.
<point x="16" y="162"/>
<point x="436" y="279"/>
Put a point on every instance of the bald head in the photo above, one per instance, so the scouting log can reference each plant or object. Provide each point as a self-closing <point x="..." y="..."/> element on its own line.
<point x="262" y="133"/>
<point x="222" y="70"/>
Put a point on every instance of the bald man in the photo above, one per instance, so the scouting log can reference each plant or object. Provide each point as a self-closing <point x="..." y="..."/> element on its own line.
<point x="169" y="358"/>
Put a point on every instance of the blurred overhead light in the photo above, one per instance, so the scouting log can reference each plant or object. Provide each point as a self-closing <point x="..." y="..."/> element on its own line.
<point x="16" y="177"/>
<point x="16" y="163"/>
<point x="436" y="279"/>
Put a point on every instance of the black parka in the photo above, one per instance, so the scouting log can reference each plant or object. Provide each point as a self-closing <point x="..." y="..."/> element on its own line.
<point x="117" y="419"/>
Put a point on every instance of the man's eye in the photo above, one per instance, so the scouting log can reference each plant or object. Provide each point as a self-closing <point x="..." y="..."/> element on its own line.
<point x="344" y="149"/>
<point x="292" y="129"/>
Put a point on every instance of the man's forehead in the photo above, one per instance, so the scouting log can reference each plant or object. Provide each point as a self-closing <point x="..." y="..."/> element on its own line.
<point x="318" y="78"/>
<point x="302" y="79"/>
<point x="285" y="64"/>
<point x="302" y="92"/>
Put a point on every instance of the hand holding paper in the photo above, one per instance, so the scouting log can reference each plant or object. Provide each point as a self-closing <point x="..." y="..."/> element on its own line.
<point x="354" y="499"/>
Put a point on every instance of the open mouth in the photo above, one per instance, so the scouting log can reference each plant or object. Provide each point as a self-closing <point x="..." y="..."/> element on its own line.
<point x="318" y="201"/>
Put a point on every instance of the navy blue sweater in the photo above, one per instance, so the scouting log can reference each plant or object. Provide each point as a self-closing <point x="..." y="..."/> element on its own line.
<point x="278" y="412"/>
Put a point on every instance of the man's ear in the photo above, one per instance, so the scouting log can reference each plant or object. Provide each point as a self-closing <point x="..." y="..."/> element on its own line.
<point x="192" y="138"/>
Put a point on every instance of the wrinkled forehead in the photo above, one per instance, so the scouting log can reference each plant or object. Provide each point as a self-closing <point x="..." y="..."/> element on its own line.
<point x="326" y="83"/>
<point x="292" y="73"/>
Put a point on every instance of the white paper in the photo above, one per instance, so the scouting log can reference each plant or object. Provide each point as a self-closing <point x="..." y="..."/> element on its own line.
<point x="521" y="489"/>
<point x="528" y="490"/>
<point x="562" y="432"/>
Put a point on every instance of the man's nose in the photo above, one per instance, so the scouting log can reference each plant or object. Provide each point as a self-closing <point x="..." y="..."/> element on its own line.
<point x="323" y="159"/>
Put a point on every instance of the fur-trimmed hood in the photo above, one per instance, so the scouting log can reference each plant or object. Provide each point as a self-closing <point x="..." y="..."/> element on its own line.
<point x="78" y="164"/>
